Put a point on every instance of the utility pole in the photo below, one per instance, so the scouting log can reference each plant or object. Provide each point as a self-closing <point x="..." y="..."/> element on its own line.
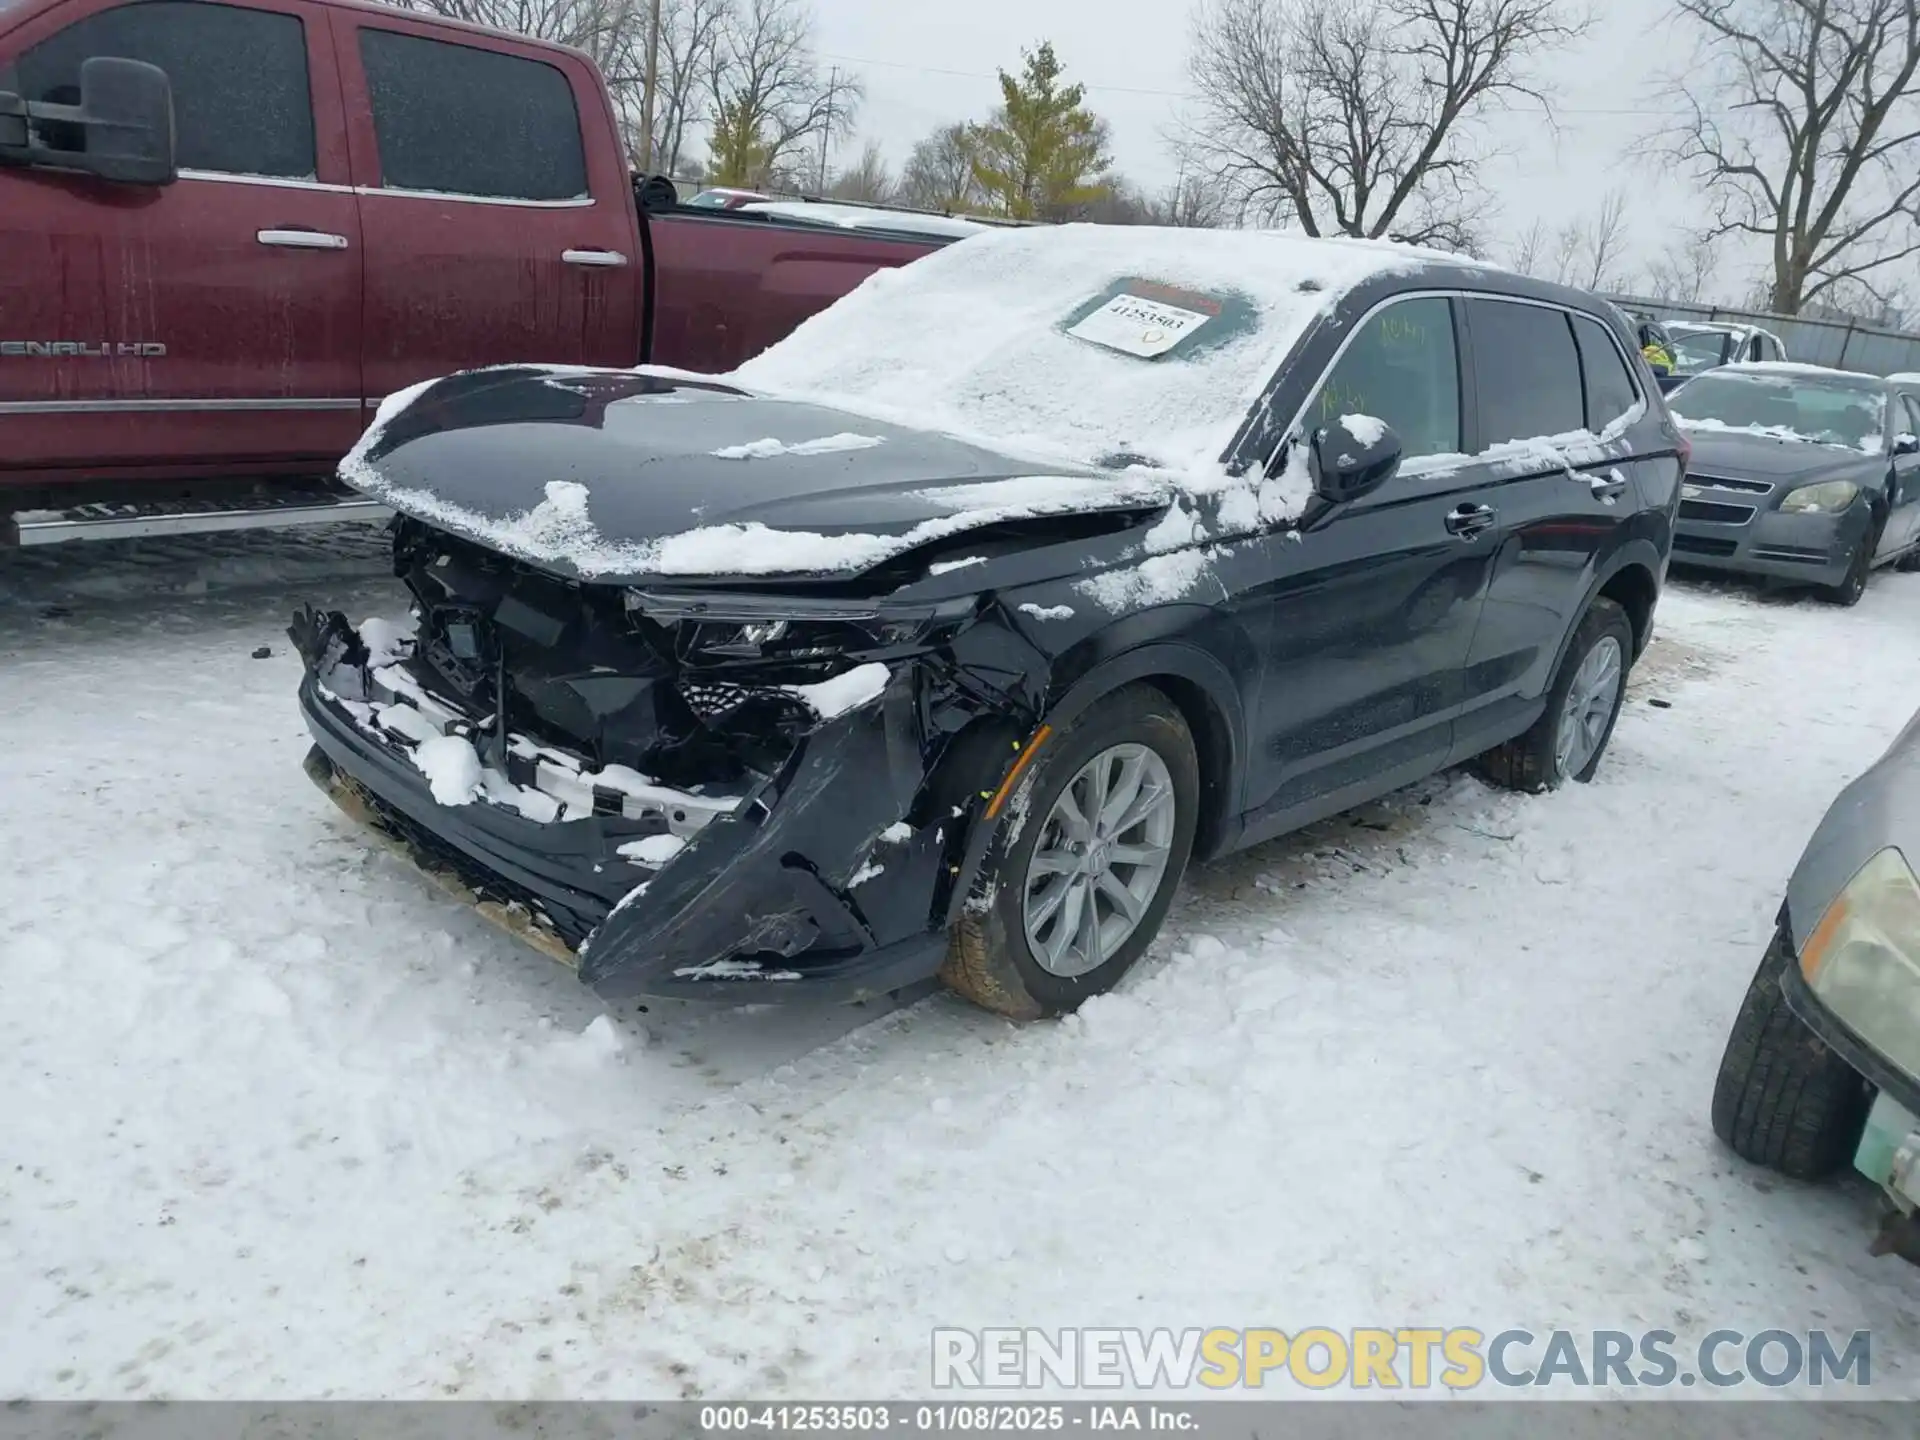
<point x="653" y="76"/>
<point x="826" y="131"/>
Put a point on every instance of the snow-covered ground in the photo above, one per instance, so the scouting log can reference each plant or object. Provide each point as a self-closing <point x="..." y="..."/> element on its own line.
<point x="275" y="1119"/>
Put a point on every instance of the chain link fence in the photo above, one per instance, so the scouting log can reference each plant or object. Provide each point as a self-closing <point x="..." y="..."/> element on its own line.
<point x="1840" y="343"/>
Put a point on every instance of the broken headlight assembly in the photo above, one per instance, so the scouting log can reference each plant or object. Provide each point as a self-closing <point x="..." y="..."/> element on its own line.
<point x="722" y="629"/>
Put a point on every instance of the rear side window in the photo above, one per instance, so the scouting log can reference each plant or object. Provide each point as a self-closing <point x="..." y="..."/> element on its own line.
<point x="1911" y="423"/>
<point x="241" y="104"/>
<point x="464" y="121"/>
<point x="1526" y="371"/>
<point x="1610" y="392"/>
<point x="1401" y="367"/>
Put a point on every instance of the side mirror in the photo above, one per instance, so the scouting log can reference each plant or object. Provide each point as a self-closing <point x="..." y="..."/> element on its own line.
<point x="1352" y="457"/>
<point x="1906" y="443"/>
<point x="122" y="128"/>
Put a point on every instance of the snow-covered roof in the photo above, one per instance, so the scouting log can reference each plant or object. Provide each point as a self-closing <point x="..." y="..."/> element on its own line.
<point x="989" y="339"/>
<point x="1905" y="377"/>
<point x="861" y="217"/>
<point x="1795" y="367"/>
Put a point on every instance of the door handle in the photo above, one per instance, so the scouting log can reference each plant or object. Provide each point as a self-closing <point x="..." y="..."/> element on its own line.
<point x="604" y="259"/>
<point x="302" y="239"/>
<point x="1467" y="521"/>
<point x="1610" y="488"/>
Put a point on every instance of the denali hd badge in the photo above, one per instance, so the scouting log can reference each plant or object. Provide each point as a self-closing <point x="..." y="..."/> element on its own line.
<point x="145" y="350"/>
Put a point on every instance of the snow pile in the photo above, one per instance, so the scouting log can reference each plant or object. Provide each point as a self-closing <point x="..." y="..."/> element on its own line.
<point x="972" y="339"/>
<point x="1048" y="612"/>
<point x="1364" y="429"/>
<point x="825" y="445"/>
<point x="653" y="849"/>
<point x="452" y="768"/>
<point x="833" y="698"/>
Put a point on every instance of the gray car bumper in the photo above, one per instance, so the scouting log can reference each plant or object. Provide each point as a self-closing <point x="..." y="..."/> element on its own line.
<point x="1728" y="529"/>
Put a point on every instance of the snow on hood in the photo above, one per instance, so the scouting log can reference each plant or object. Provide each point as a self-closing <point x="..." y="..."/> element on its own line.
<point x="973" y="339"/>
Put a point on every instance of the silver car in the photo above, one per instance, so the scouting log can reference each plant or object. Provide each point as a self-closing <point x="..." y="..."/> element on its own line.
<point x="1823" y="1065"/>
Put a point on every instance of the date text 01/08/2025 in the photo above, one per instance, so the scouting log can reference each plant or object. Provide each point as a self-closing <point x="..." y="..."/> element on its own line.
<point x="973" y="1418"/>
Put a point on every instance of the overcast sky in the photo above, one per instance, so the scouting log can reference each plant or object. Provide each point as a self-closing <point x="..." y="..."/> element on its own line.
<point x="925" y="65"/>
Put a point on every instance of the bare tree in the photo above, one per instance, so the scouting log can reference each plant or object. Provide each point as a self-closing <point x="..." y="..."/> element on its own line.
<point x="867" y="181"/>
<point x="1684" y="271"/>
<point x="1195" y="201"/>
<point x="1601" y="242"/>
<point x="1359" y="118"/>
<point x="690" y="31"/>
<point x="769" y="103"/>
<point x="1802" y="117"/>
<point x="1530" y="251"/>
<point x="939" y="173"/>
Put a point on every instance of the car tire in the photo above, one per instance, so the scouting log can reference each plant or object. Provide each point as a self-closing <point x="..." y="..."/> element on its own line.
<point x="1538" y="760"/>
<point x="1910" y="561"/>
<point x="993" y="957"/>
<point x="1783" y="1098"/>
<point x="1859" y="567"/>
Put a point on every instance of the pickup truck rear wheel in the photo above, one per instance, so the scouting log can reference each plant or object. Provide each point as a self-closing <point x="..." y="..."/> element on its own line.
<point x="1583" y="703"/>
<point x="1783" y="1098"/>
<point x="1095" y="840"/>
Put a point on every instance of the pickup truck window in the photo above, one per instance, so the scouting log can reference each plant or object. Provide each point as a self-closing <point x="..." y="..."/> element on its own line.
<point x="241" y="103"/>
<point x="458" y="120"/>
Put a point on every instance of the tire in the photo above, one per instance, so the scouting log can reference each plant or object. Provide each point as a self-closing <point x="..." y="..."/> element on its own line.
<point x="1532" y="762"/>
<point x="1848" y="592"/>
<point x="991" y="959"/>
<point x="1783" y="1099"/>
<point x="1910" y="561"/>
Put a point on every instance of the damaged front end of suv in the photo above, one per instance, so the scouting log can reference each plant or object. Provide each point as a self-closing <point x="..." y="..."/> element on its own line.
<point x="679" y="784"/>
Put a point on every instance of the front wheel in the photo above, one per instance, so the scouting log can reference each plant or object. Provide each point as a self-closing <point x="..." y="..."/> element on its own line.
<point x="1859" y="566"/>
<point x="1783" y="1099"/>
<point x="1092" y="852"/>
<point x="1583" y="704"/>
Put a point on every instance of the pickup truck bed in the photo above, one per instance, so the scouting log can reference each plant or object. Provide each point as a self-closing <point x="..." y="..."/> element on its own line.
<point x="372" y="198"/>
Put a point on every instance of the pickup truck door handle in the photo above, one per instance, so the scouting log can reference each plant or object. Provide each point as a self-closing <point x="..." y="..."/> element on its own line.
<point x="302" y="239"/>
<point x="1610" y="487"/>
<point x="1467" y="521"/>
<point x="607" y="259"/>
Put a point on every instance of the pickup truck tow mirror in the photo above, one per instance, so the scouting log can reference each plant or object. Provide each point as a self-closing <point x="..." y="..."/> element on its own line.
<point x="122" y="129"/>
<point x="655" y="192"/>
<point x="1352" y="457"/>
<point x="1906" y="443"/>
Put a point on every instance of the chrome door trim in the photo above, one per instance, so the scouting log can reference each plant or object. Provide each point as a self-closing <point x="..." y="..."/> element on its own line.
<point x="141" y="407"/>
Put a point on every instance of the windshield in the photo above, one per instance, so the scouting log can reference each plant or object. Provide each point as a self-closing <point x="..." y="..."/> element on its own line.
<point x="1784" y="406"/>
<point x="1698" y="350"/>
<point x="1082" y="341"/>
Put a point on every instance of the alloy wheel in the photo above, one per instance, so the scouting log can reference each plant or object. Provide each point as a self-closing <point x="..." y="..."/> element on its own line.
<point x="1589" y="707"/>
<point x="1100" y="859"/>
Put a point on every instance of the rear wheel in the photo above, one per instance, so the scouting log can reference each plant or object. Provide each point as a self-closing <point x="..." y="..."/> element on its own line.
<point x="1783" y="1098"/>
<point x="1583" y="704"/>
<point x="1088" y="863"/>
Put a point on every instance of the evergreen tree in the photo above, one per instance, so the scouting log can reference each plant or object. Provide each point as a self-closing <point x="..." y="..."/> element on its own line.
<point x="1043" y="152"/>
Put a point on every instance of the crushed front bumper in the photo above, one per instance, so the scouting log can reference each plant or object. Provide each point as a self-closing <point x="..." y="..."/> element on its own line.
<point x="811" y="881"/>
<point x="1721" y="527"/>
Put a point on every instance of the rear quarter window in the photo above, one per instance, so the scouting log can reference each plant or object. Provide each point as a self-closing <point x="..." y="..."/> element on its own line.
<point x="459" y="120"/>
<point x="1527" y="371"/>
<point x="1610" y="390"/>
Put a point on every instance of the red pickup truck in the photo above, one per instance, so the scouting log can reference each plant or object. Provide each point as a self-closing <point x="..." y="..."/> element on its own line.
<point x="227" y="230"/>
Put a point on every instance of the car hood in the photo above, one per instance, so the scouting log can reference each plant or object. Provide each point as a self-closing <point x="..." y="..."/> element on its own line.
<point x="1879" y="809"/>
<point x="622" y="475"/>
<point x="1761" y="457"/>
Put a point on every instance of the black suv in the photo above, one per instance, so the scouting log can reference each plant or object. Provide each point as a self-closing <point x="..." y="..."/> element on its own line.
<point x="940" y="637"/>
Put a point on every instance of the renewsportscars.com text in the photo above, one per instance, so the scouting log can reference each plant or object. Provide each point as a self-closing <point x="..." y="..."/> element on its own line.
<point x="1399" y="1358"/>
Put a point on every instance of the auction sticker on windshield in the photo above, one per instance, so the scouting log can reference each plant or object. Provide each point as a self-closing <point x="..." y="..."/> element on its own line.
<point x="1136" y="325"/>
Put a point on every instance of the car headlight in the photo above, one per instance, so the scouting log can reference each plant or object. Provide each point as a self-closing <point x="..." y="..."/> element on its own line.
<point x="748" y="627"/>
<point x="1863" y="958"/>
<point x="1829" y="497"/>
